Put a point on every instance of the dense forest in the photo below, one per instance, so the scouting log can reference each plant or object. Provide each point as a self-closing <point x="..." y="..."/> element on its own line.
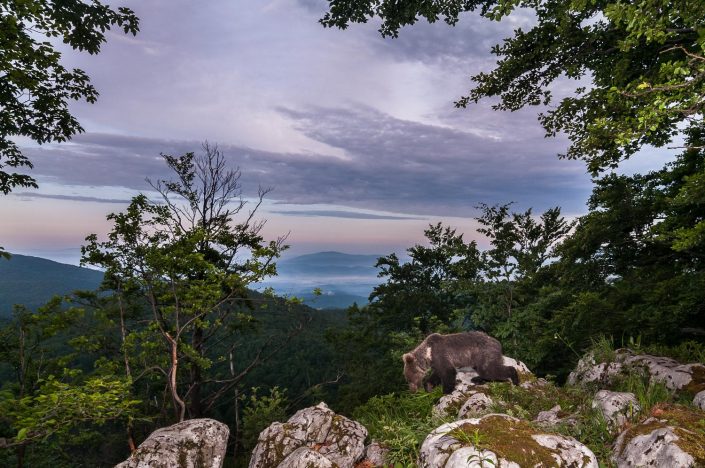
<point x="175" y="332"/>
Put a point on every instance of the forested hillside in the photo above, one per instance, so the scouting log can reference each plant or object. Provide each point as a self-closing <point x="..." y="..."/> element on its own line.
<point x="32" y="281"/>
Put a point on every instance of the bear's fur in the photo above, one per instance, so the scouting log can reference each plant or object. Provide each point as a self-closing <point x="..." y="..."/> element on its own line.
<point x="442" y="355"/>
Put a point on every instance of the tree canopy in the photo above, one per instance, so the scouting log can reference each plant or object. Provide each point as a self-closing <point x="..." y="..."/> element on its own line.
<point x="35" y="86"/>
<point x="644" y="59"/>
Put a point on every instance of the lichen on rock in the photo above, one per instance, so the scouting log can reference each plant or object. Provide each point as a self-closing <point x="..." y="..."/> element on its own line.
<point x="616" y="407"/>
<point x="195" y="443"/>
<point x="337" y="438"/>
<point x="674" y="375"/>
<point x="673" y="436"/>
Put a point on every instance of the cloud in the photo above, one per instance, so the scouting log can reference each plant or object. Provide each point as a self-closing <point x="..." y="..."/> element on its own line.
<point x="342" y="118"/>
<point x="341" y="214"/>
<point x="387" y="164"/>
<point x="71" y="197"/>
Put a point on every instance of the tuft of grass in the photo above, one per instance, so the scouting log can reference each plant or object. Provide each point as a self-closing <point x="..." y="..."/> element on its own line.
<point x="647" y="393"/>
<point x="592" y="429"/>
<point x="602" y="349"/>
<point x="400" y="422"/>
<point x="685" y="352"/>
<point x="527" y="403"/>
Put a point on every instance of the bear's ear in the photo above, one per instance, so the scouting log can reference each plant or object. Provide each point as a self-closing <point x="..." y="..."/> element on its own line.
<point x="409" y="358"/>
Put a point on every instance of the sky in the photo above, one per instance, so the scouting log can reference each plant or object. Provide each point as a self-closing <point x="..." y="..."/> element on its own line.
<point x="356" y="134"/>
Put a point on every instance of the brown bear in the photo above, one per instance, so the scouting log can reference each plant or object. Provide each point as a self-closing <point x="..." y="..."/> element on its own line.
<point x="438" y="357"/>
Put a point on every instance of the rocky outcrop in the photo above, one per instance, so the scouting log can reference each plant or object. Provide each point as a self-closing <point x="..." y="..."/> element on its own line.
<point x="671" y="437"/>
<point x="336" y="438"/>
<point x="500" y="440"/>
<point x="588" y="371"/>
<point x="674" y="375"/>
<point x="616" y="407"/>
<point x="463" y="402"/>
<point x="196" y="443"/>
<point x="469" y="398"/>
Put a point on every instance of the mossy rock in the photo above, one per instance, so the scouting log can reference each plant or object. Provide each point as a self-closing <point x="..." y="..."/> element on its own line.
<point x="674" y="436"/>
<point x="501" y="440"/>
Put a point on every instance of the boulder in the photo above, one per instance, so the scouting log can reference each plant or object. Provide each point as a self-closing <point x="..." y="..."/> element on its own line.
<point x="476" y="403"/>
<point x="335" y="437"/>
<point x="518" y="365"/>
<point x="699" y="400"/>
<point x="449" y="404"/>
<point x="671" y="437"/>
<point x="196" y="443"/>
<point x="375" y="454"/>
<point x="550" y="417"/>
<point x="588" y="371"/>
<point x="674" y="375"/>
<point x="304" y="457"/>
<point x="501" y="441"/>
<point x="616" y="407"/>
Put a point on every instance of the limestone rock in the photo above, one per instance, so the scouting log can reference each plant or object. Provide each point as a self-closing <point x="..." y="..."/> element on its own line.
<point x="674" y="375"/>
<point x="662" y="369"/>
<point x="465" y="389"/>
<point x="501" y="441"/>
<point x="195" y="443"/>
<point x="588" y="371"/>
<point x="699" y="400"/>
<point x="616" y="407"/>
<point x="304" y="457"/>
<point x="375" y="454"/>
<point x="549" y="417"/>
<point x="657" y="447"/>
<point x="518" y="365"/>
<point x="464" y="379"/>
<point x="337" y="438"/>
<point x="476" y="403"/>
<point x="450" y="404"/>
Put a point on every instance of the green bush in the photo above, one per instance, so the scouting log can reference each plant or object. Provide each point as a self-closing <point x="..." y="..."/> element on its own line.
<point x="260" y="412"/>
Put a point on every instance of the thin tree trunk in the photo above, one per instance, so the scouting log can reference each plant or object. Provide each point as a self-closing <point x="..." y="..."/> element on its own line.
<point x="179" y="405"/>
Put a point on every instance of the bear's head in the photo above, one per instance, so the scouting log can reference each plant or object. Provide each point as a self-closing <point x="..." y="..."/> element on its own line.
<point x="413" y="373"/>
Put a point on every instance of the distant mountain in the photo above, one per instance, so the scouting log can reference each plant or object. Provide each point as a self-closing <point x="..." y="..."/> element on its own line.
<point x="330" y="263"/>
<point x="343" y="278"/>
<point x="32" y="281"/>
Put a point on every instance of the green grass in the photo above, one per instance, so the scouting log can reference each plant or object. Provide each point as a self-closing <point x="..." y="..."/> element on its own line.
<point x="647" y="393"/>
<point x="400" y="422"/>
<point x="528" y="403"/>
<point x="686" y="352"/>
<point x="602" y="349"/>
